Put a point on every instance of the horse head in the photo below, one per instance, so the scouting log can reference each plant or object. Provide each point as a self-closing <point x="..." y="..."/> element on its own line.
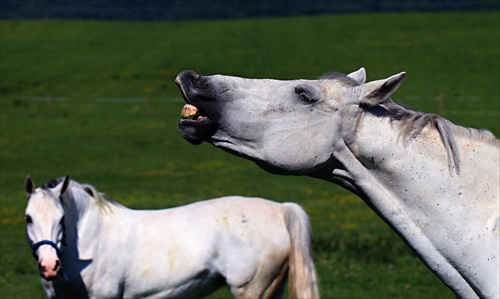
<point x="288" y="126"/>
<point x="45" y="224"/>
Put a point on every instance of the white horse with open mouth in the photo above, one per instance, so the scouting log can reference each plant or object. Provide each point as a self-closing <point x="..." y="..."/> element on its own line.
<point x="88" y="246"/>
<point x="435" y="183"/>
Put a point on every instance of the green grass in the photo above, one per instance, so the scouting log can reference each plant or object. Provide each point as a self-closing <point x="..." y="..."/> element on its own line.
<point x="54" y="76"/>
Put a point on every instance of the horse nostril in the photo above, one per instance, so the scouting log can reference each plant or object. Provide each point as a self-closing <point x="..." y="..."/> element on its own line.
<point x="199" y="82"/>
<point x="41" y="267"/>
<point x="57" y="265"/>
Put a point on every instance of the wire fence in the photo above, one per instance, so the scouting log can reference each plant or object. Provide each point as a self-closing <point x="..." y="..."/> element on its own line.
<point x="439" y="100"/>
<point x="101" y="99"/>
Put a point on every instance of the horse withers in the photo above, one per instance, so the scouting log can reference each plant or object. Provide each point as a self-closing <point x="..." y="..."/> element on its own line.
<point x="435" y="183"/>
<point x="89" y="246"/>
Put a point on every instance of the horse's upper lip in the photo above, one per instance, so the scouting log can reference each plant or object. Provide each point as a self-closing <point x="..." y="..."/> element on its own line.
<point x="178" y="81"/>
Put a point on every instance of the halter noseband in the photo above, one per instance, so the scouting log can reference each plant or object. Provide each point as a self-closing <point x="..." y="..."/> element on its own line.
<point x="37" y="245"/>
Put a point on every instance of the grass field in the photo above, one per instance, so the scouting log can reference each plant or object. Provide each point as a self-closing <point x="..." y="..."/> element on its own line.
<point x="97" y="101"/>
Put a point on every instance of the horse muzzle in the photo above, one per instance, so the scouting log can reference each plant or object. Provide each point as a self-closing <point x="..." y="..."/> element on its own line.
<point x="49" y="263"/>
<point x="50" y="269"/>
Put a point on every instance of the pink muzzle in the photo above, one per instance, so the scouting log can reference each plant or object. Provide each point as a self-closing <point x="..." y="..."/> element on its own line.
<point x="49" y="266"/>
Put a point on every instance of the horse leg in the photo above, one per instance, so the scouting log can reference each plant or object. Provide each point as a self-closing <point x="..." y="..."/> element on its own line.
<point x="267" y="283"/>
<point x="277" y="288"/>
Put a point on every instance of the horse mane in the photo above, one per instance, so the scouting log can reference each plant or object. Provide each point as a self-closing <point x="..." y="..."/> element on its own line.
<point x="102" y="201"/>
<point x="52" y="183"/>
<point x="413" y="122"/>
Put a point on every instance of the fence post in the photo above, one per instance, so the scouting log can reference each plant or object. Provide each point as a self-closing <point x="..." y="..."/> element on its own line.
<point x="146" y="103"/>
<point x="441" y="103"/>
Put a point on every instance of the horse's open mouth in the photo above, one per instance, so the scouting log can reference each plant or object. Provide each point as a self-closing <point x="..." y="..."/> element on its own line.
<point x="195" y="124"/>
<point x="190" y="112"/>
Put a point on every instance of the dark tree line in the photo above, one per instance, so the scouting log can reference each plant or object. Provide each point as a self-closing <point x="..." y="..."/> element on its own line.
<point x="145" y="10"/>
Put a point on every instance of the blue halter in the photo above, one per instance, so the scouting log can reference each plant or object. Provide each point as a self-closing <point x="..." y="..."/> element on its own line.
<point x="37" y="245"/>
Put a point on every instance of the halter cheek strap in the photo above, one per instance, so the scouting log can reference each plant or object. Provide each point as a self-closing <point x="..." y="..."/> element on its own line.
<point x="37" y="245"/>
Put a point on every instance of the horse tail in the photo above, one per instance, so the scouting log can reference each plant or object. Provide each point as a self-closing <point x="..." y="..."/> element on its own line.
<point x="302" y="276"/>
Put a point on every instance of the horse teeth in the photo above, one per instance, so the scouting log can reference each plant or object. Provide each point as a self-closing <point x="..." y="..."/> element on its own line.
<point x="189" y="110"/>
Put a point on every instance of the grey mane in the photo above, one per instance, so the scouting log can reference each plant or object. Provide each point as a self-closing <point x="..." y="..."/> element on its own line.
<point x="53" y="183"/>
<point x="413" y="122"/>
<point x="103" y="201"/>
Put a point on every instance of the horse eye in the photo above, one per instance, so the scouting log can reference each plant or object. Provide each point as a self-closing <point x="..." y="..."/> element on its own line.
<point x="62" y="220"/>
<point x="28" y="219"/>
<point x="305" y="95"/>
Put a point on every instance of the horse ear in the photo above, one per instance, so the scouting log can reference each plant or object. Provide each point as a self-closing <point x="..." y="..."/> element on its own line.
<point x="65" y="184"/>
<point x="62" y="187"/>
<point x="89" y="191"/>
<point x="358" y="76"/>
<point x="375" y="92"/>
<point x="29" y="186"/>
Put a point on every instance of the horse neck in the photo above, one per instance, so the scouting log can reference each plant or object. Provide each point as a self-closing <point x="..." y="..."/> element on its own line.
<point x="83" y="219"/>
<point x="412" y="187"/>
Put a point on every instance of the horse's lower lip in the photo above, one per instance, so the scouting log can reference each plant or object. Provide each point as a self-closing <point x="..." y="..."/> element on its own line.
<point x="197" y="131"/>
<point x="51" y="276"/>
<point x="197" y="119"/>
<point x="200" y="122"/>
